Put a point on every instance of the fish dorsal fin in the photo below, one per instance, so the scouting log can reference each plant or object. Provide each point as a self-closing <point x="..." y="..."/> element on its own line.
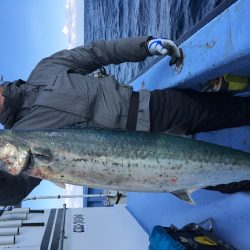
<point x="185" y="195"/>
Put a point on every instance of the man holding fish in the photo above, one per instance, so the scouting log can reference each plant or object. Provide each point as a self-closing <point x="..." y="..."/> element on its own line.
<point x="61" y="93"/>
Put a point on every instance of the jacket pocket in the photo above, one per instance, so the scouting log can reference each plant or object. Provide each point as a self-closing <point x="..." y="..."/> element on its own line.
<point x="70" y="102"/>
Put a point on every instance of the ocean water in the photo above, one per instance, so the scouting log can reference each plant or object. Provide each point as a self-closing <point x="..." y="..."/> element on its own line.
<point x="113" y="19"/>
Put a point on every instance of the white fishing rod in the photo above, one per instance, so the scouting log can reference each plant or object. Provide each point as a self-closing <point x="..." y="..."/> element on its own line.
<point x="118" y="195"/>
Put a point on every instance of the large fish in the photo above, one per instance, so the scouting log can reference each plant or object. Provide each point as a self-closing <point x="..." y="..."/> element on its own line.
<point x="121" y="160"/>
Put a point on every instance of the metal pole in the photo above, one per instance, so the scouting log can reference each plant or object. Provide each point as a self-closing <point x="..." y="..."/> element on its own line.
<point x="62" y="232"/>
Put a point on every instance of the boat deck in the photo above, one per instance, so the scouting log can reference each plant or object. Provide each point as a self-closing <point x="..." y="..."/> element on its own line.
<point x="229" y="211"/>
<point x="222" y="46"/>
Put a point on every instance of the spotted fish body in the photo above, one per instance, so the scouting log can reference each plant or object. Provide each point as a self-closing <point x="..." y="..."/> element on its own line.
<point x="121" y="160"/>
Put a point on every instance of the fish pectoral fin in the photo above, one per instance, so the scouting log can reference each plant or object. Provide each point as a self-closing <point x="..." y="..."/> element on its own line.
<point x="185" y="195"/>
<point x="38" y="157"/>
<point x="41" y="154"/>
<point x="59" y="184"/>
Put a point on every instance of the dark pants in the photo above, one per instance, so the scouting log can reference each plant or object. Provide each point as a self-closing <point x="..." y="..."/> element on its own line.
<point x="191" y="112"/>
<point x="197" y="111"/>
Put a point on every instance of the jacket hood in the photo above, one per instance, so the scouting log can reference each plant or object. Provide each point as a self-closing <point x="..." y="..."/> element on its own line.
<point x="13" y="98"/>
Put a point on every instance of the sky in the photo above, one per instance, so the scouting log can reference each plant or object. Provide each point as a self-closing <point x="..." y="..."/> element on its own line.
<point x="29" y="31"/>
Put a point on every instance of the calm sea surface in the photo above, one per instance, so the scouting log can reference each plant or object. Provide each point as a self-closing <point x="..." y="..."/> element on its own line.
<point x="112" y="19"/>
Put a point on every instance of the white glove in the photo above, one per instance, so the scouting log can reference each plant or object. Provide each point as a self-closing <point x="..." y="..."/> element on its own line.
<point x="161" y="46"/>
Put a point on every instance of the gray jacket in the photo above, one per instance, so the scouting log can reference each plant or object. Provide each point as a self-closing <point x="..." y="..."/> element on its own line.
<point x="67" y="89"/>
<point x="60" y="93"/>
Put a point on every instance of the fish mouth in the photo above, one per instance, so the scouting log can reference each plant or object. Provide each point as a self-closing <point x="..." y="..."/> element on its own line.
<point x="15" y="165"/>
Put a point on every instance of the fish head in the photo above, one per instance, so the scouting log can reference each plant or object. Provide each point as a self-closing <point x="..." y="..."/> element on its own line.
<point x="14" y="156"/>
